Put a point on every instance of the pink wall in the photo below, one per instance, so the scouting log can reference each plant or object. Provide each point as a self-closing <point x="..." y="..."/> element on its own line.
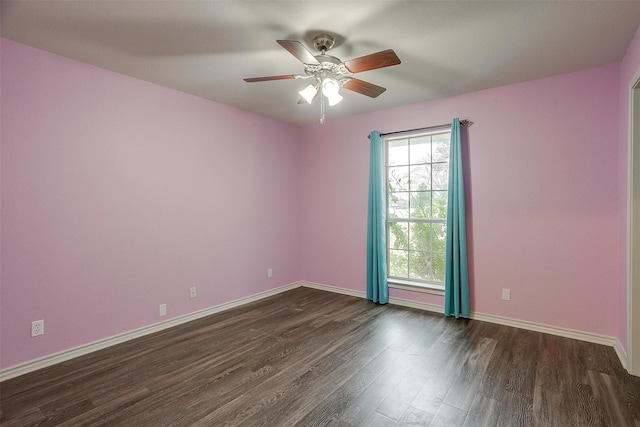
<point x="543" y="197"/>
<point x="118" y="195"/>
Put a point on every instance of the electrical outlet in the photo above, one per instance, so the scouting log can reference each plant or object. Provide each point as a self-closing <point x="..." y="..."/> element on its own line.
<point x="506" y="294"/>
<point x="37" y="328"/>
<point x="269" y="272"/>
<point x="163" y="309"/>
<point x="192" y="292"/>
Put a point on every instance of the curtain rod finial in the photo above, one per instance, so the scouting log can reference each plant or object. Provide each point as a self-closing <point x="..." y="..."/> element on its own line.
<point x="466" y="123"/>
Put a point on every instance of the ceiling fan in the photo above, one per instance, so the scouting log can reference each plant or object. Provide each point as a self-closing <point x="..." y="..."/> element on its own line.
<point x="329" y="73"/>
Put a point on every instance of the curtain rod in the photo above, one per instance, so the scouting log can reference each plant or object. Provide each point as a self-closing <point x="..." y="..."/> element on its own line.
<point x="465" y="122"/>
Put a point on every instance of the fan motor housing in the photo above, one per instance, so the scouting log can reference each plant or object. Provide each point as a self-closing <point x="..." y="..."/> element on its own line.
<point x="323" y="42"/>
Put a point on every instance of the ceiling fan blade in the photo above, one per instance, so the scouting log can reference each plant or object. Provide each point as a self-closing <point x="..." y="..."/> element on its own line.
<point x="269" y="78"/>
<point x="385" y="58"/>
<point x="298" y="50"/>
<point x="365" y="88"/>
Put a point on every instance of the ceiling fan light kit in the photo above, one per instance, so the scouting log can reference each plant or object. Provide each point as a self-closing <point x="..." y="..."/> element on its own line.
<point x="330" y="73"/>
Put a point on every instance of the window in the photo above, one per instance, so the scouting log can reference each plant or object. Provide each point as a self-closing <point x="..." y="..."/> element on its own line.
<point x="417" y="174"/>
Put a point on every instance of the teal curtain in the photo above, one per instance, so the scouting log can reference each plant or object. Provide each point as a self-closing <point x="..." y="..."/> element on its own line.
<point x="377" y="287"/>
<point x="456" y="286"/>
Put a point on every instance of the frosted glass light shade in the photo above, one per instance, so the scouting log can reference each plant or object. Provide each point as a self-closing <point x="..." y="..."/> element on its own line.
<point x="330" y="89"/>
<point x="330" y="86"/>
<point x="308" y="93"/>
<point x="333" y="98"/>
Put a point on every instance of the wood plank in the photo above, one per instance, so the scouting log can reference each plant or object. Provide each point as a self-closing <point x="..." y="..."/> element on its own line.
<point x="375" y="393"/>
<point x="337" y="402"/>
<point x="445" y="362"/>
<point x="484" y="412"/>
<point x="548" y="408"/>
<point x="401" y="396"/>
<point x="516" y="410"/>
<point x="608" y="396"/>
<point x="415" y="417"/>
<point x="378" y="420"/>
<point x="467" y="385"/>
<point x="448" y="416"/>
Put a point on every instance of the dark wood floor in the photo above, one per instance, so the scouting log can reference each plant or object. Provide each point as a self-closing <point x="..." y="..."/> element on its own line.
<point x="310" y="358"/>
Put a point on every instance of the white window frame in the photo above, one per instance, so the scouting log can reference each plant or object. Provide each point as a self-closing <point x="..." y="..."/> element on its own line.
<point x="397" y="282"/>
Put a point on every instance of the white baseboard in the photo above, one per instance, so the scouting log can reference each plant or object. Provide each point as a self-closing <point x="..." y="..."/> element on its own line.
<point x="335" y="289"/>
<point x="522" y="324"/>
<point x="622" y="354"/>
<point x="72" y="353"/>
<point x="361" y="294"/>
<point x="52" y="359"/>
<point x="558" y="331"/>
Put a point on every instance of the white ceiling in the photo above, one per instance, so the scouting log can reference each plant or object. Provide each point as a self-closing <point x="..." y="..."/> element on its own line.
<point x="206" y="48"/>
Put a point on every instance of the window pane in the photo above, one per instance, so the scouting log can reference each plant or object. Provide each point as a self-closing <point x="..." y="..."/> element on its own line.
<point x="398" y="263"/>
<point x="438" y="267"/>
<point x="398" y="235"/>
<point x="420" y="178"/>
<point x="421" y="204"/>
<point x="398" y="205"/>
<point x="439" y="204"/>
<point x="398" y="152"/>
<point x="420" y="265"/>
<point x="420" y="236"/>
<point x="438" y="237"/>
<point x="399" y="178"/>
<point x="441" y="147"/>
<point x="420" y="150"/>
<point x="440" y="180"/>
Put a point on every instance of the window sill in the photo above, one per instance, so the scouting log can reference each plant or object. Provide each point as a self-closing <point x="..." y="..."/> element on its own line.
<point x="416" y="287"/>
